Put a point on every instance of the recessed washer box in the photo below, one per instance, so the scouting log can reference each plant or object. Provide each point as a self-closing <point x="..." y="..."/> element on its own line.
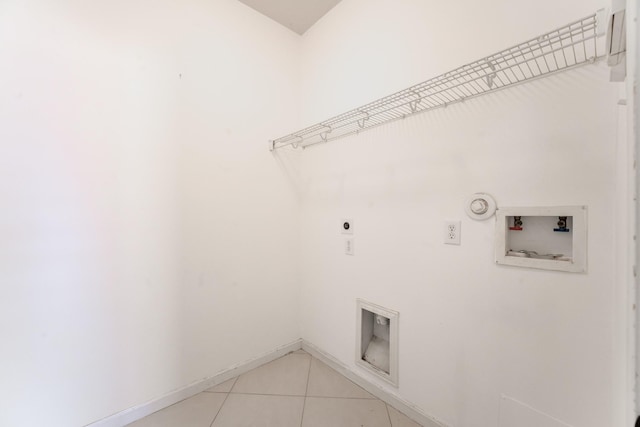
<point x="547" y="238"/>
<point x="377" y="340"/>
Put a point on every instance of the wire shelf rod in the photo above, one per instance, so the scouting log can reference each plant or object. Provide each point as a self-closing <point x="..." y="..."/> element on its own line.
<point x="442" y="96"/>
<point x="442" y="106"/>
<point x="443" y="92"/>
<point x="561" y="49"/>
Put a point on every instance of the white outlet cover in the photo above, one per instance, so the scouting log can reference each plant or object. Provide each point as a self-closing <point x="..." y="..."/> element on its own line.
<point x="348" y="246"/>
<point x="452" y="232"/>
<point x="346" y="226"/>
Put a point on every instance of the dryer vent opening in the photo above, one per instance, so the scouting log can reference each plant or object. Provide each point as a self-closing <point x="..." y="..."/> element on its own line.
<point x="377" y="341"/>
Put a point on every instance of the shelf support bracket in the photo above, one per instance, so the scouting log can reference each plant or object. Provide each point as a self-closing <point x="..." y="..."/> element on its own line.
<point x="324" y="135"/>
<point x="414" y="104"/>
<point x="296" y="144"/>
<point x="362" y="120"/>
<point x="491" y="75"/>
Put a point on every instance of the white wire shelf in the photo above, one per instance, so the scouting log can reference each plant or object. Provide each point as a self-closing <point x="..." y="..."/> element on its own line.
<point x="564" y="48"/>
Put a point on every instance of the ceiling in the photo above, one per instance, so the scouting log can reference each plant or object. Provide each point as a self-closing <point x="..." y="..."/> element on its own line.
<point x="297" y="15"/>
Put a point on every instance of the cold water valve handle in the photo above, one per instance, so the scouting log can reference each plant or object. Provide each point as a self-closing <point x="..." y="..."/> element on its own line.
<point x="562" y="225"/>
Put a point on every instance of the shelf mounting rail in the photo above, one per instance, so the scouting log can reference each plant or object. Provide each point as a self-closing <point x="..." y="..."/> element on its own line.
<point x="561" y="49"/>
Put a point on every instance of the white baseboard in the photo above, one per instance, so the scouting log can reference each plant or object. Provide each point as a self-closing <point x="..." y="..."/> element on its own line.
<point x="407" y="408"/>
<point x="137" y="412"/>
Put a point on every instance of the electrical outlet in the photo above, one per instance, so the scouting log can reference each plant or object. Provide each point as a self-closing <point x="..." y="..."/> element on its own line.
<point x="452" y="232"/>
<point x="348" y="246"/>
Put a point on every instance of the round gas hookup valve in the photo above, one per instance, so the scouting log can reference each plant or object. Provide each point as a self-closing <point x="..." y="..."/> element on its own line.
<point x="480" y="206"/>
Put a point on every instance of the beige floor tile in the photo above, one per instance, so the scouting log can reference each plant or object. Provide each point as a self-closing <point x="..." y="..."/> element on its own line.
<point x="224" y="387"/>
<point x="325" y="382"/>
<point x="286" y="376"/>
<point x="398" y="419"/>
<point x="197" y="411"/>
<point x="325" y="412"/>
<point x="251" y="410"/>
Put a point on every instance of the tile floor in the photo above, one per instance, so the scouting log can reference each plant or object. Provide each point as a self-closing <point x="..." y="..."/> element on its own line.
<point x="296" y="390"/>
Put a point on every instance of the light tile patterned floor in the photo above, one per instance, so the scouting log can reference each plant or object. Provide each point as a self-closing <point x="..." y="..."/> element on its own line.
<point x="296" y="390"/>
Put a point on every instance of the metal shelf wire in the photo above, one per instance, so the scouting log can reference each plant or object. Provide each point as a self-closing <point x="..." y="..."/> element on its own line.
<point x="566" y="47"/>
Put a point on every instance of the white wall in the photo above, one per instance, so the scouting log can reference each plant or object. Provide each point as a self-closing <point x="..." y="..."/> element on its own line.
<point x="146" y="232"/>
<point x="470" y="331"/>
<point x="148" y="236"/>
<point x="633" y="120"/>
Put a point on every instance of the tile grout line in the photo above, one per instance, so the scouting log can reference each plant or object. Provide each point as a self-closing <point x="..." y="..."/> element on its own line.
<point x="223" y="402"/>
<point x="293" y="395"/>
<point x="267" y="394"/>
<point x="352" y="382"/>
<point x="345" y="398"/>
<point x="388" y="414"/>
<point x="306" y="391"/>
